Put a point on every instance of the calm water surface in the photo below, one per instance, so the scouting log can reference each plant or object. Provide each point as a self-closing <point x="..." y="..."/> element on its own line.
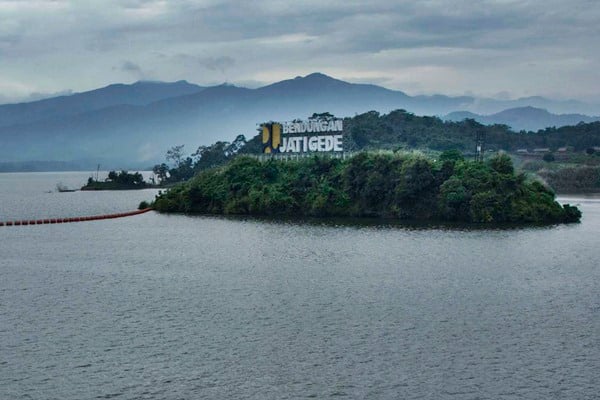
<point x="176" y="307"/>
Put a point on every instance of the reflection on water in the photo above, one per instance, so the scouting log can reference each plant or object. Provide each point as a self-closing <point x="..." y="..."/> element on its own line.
<point x="171" y="307"/>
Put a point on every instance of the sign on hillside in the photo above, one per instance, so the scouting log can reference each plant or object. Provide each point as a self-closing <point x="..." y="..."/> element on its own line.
<point x="314" y="135"/>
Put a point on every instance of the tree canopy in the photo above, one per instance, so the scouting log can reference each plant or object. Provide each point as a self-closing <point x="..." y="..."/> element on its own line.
<point x="389" y="185"/>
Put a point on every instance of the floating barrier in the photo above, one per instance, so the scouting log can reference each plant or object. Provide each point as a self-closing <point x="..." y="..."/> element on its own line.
<point x="72" y="219"/>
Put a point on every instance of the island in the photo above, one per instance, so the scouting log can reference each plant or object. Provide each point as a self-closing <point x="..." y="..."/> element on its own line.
<point x="121" y="180"/>
<point x="382" y="184"/>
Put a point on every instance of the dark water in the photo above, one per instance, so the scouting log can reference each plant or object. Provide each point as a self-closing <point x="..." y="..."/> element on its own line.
<point x="175" y="307"/>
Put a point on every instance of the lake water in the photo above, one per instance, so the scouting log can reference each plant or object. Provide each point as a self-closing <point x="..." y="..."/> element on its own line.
<point x="176" y="307"/>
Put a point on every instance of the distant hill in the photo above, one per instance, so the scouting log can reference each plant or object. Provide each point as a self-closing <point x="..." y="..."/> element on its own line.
<point x="524" y="118"/>
<point x="40" y="166"/>
<point x="139" y="93"/>
<point x="400" y="129"/>
<point x="124" y="125"/>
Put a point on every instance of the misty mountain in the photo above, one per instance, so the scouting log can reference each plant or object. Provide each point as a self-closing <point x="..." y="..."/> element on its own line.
<point x="491" y="106"/>
<point x="523" y="118"/>
<point x="127" y="125"/>
<point x="139" y="93"/>
<point x="41" y="166"/>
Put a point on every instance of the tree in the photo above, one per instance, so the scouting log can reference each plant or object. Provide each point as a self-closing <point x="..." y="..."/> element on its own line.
<point x="325" y="115"/>
<point x="377" y="185"/>
<point x="183" y="172"/>
<point x="502" y="164"/>
<point x="212" y="156"/>
<point x="125" y="179"/>
<point x="451" y="155"/>
<point x="161" y="171"/>
<point x="176" y="154"/>
<point x="454" y="199"/>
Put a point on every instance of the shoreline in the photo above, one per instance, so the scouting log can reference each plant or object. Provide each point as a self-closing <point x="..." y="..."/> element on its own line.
<point x="387" y="222"/>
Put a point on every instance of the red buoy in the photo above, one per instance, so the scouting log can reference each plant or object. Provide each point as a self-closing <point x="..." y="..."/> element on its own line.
<point x="73" y="219"/>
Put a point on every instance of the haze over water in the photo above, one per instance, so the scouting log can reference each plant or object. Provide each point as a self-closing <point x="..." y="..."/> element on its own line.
<point x="172" y="307"/>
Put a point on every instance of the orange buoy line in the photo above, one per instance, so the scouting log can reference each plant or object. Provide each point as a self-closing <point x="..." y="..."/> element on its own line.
<point x="72" y="219"/>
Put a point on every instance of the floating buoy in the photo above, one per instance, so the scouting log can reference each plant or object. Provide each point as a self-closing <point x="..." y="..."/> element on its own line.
<point x="72" y="219"/>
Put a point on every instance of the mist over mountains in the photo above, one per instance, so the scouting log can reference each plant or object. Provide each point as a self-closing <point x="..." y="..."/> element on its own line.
<point x="524" y="118"/>
<point x="129" y="126"/>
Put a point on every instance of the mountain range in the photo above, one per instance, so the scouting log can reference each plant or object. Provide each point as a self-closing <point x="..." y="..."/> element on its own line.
<point x="133" y="125"/>
<point x="523" y="118"/>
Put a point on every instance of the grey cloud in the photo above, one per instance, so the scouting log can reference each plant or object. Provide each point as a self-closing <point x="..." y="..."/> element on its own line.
<point x="133" y="68"/>
<point x="40" y="96"/>
<point x="9" y="40"/>
<point x="477" y="25"/>
<point x="378" y="39"/>
<point x="130" y="67"/>
<point x="218" y="63"/>
<point x="34" y="96"/>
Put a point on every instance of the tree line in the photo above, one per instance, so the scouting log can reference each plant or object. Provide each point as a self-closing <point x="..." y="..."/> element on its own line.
<point x="401" y="129"/>
<point x="382" y="184"/>
<point x="396" y="130"/>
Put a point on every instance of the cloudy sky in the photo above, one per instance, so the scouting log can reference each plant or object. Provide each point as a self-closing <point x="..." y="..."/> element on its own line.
<point x="495" y="48"/>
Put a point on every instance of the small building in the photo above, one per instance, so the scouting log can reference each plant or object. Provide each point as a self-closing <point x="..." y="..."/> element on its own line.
<point x="522" y="151"/>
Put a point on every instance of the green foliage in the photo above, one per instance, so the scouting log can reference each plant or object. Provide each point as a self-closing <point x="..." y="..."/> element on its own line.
<point x="571" y="213"/>
<point x="183" y="171"/>
<point x="452" y="155"/>
<point x="161" y="171"/>
<point x="502" y="164"/>
<point x="125" y="178"/>
<point x="372" y="130"/>
<point x="176" y="155"/>
<point x="397" y="130"/>
<point x="454" y="199"/>
<point x="210" y="156"/>
<point x="117" y="181"/>
<point x="205" y="157"/>
<point x="379" y="184"/>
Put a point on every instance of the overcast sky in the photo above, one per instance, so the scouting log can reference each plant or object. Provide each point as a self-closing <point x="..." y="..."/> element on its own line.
<point x="495" y="48"/>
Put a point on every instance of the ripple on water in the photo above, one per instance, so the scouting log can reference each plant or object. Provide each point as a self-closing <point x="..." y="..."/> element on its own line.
<point x="175" y="307"/>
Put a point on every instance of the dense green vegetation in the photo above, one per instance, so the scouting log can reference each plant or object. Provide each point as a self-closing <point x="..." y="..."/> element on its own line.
<point x="383" y="184"/>
<point x="122" y="180"/>
<point x="577" y="171"/>
<point x="183" y="167"/>
<point x="403" y="130"/>
<point x="397" y="130"/>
